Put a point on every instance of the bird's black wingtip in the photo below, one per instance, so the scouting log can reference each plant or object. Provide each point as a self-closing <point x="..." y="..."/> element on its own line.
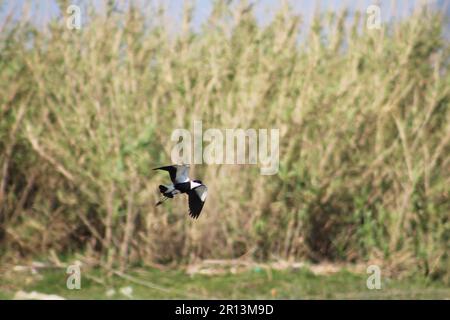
<point x="193" y="216"/>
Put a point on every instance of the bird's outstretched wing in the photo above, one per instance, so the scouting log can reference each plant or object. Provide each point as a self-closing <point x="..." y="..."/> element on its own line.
<point x="178" y="173"/>
<point x="197" y="197"/>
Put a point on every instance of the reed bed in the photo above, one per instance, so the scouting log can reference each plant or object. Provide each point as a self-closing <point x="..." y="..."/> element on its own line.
<point x="364" y="138"/>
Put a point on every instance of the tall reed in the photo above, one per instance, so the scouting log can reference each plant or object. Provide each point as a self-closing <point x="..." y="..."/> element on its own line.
<point x="364" y="138"/>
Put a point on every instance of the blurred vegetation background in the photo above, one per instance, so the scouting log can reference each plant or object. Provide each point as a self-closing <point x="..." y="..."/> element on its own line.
<point x="364" y="138"/>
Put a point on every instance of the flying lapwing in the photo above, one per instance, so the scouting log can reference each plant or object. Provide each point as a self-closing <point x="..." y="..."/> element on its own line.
<point x="195" y="189"/>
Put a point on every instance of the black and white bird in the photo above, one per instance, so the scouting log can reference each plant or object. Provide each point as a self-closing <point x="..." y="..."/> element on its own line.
<point x="195" y="189"/>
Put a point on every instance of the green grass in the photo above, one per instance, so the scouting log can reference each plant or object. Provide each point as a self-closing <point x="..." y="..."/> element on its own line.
<point x="364" y="119"/>
<point x="264" y="284"/>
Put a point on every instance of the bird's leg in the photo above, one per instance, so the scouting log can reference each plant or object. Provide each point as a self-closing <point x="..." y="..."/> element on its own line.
<point x="161" y="201"/>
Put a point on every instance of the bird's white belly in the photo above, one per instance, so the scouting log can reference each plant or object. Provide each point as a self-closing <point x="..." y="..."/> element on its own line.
<point x="194" y="184"/>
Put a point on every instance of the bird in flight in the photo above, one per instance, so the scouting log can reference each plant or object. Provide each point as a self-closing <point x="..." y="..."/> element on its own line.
<point x="195" y="189"/>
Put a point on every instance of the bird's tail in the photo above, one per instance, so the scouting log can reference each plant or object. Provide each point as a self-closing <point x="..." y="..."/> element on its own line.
<point x="167" y="191"/>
